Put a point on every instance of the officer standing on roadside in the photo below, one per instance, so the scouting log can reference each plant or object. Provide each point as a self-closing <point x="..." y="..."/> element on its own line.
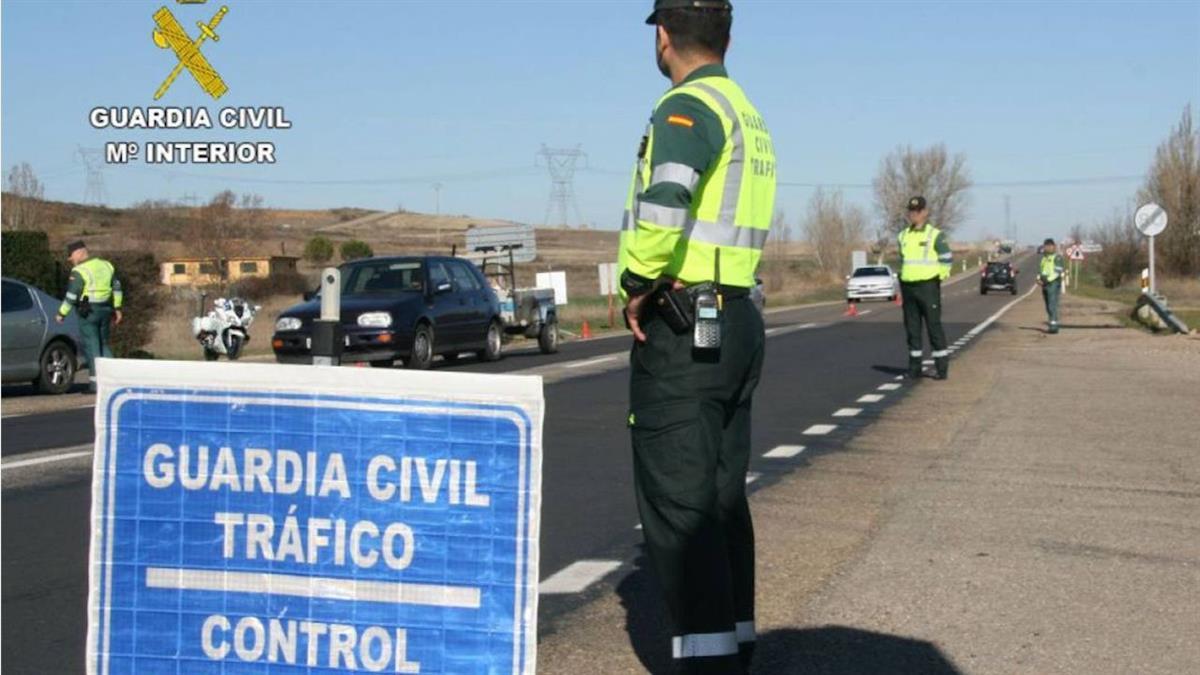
<point x="696" y="219"/>
<point x="1050" y="278"/>
<point x="925" y="262"/>
<point x="94" y="292"/>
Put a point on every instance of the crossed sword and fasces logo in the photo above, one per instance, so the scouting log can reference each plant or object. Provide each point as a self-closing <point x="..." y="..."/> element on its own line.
<point x="170" y="34"/>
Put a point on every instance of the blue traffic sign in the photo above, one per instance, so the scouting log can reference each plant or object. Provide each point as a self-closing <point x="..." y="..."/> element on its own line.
<point x="261" y="530"/>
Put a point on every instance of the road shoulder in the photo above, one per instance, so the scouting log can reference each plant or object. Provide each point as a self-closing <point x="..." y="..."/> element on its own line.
<point x="1036" y="513"/>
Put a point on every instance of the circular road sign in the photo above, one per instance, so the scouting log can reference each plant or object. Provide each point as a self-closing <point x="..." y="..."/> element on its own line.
<point x="1150" y="219"/>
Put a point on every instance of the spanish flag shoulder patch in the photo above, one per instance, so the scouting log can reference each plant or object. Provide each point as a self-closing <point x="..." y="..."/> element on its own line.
<point x="681" y="121"/>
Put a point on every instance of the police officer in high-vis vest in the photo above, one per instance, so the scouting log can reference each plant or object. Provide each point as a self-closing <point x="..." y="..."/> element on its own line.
<point x="925" y="262"/>
<point x="94" y="292"/>
<point x="696" y="219"/>
<point x="1050" y="277"/>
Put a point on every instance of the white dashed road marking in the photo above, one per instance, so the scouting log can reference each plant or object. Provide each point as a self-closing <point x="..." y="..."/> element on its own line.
<point x="819" y="429"/>
<point x="577" y="576"/>
<point x="784" y="451"/>
<point x="591" y="362"/>
<point x="870" y="398"/>
<point x="847" y="412"/>
<point x="751" y="477"/>
<point x="888" y="387"/>
<point x="62" y="455"/>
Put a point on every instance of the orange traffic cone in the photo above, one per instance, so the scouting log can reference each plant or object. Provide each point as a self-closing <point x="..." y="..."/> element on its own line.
<point x="586" y="333"/>
<point x="851" y="309"/>
<point x="898" y="302"/>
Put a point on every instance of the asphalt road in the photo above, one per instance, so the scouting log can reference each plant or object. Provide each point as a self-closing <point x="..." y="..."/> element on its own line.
<point x="819" y="365"/>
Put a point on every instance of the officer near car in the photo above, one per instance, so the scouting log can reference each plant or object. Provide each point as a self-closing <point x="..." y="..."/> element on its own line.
<point x="925" y="262"/>
<point x="1050" y="277"/>
<point x="94" y="293"/>
<point x="696" y="219"/>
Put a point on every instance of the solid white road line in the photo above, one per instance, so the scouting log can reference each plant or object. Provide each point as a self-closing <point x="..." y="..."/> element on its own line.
<point x="60" y="455"/>
<point x="591" y="362"/>
<point x="784" y="451"/>
<point x="890" y="386"/>
<point x="577" y="576"/>
<point x="819" y="429"/>
<point x="870" y="398"/>
<point x="784" y="330"/>
<point x="847" y="412"/>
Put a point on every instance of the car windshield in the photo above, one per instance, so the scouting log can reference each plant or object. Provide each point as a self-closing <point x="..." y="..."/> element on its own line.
<point x="998" y="267"/>
<point x="384" y="277"/>
<point x="871" y="272"/>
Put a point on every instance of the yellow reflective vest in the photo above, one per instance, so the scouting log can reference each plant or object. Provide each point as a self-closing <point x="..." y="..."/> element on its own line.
<point x="94" y="279"/>
<point x="920" y="257"/>
<point x="731" y="207"/>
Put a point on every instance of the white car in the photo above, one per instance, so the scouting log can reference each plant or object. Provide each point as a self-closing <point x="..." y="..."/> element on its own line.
<point x="873" y="282"/>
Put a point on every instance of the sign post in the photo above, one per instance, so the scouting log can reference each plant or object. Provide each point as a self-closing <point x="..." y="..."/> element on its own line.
<point x="327" y="339"/>
<point x="1075" y="255"/>
<point x="608" y="286"/>
<point x="289" y="519"/>
<point x="1151" y="220"/>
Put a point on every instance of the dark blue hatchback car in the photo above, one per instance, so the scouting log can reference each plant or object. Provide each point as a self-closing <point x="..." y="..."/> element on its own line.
<point x="406" y="308"/>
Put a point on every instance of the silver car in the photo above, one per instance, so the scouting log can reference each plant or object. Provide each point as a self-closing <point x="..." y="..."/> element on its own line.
<point x="873" y="282"/>
<point x="34" y="347"/>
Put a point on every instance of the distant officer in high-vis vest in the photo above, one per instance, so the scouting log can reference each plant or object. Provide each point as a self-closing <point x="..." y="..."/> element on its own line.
<point x="696" y="219"/>
<point x="925" y="262"/>
<point x="94" y="292"/>
<point x="1050" y="278"/>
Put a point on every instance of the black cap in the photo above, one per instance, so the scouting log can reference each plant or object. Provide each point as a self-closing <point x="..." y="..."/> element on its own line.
<point x="1048" y="242"/>
<point x="686" y="4"/>
<point x="75" y="246"/>
<point x="916" y="204"/>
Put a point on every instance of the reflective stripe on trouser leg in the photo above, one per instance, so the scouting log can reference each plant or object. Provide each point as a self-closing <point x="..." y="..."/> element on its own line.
<point x="745" y="631"/>
<point x="701" y="645"/>
<point x="915" y="354"/>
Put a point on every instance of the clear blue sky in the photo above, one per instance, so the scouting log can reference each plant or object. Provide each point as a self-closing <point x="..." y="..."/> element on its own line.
<point x="387" y="98"/>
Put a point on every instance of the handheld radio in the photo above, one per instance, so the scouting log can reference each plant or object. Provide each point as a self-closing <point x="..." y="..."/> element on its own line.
<point x="706" y="334"/>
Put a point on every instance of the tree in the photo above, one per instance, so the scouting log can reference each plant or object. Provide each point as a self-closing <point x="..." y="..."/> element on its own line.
<point x="318" y="250"/>
<point x="1173" y="183"/>
<point x="222" y="226"/>
<point x="23" y="209"/>
<point x="1121" y="255"/>
<point x="834" y="229"/>
<point x="355" y="249"/>
<point x="932" y="173"/>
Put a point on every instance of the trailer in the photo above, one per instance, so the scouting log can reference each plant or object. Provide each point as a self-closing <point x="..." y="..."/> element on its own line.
<point x="530" y="312"/>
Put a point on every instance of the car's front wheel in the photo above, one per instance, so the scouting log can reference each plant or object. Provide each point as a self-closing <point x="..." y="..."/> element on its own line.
<point x="58" y="366"/>
<point x="421" y="356"/>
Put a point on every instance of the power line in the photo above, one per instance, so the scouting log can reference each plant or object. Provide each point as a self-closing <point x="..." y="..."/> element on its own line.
<point x="1093" y="180"/>
<point x="93" y="161"/>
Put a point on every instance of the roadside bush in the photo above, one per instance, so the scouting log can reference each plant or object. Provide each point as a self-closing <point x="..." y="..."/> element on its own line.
<point x="138" y="273"/>
<point x="27" y="257"/>
<point x="259" y="289"/>
<point x="355" y="249"/>
<point x="1121" y="257"/>
<point x="318" y="250"/>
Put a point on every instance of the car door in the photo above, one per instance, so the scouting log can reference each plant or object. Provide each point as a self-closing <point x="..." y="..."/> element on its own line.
<point x="446" y="308"/>
<point x="473" y="302"/>
<point x="24" y="326"/>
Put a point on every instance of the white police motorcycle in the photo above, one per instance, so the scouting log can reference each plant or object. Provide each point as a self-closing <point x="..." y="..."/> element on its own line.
<point x="225" y="329"/>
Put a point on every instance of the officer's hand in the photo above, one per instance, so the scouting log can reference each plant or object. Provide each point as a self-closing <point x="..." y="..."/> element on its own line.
<point x="59" y="318"/>
<point x="117" y="316"/>
<point x="632" y="311"/>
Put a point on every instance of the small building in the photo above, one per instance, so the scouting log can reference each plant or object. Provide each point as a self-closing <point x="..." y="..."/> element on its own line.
<point x="204" y="271"/>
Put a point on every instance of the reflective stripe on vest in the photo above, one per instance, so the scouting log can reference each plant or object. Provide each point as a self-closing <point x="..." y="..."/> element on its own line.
<point x="919" y="261"/>
<point x="732" y="202"/>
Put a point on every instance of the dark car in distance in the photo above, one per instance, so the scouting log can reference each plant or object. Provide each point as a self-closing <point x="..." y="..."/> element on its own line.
<point x="404" y="308"/>
<point x="998" y="276"/>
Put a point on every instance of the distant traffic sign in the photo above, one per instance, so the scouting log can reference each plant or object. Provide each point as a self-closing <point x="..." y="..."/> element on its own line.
<point x="1150" y="220"/>
<point x="520" y="238"/>
<point x="1075" y="253"/>
<point x="295" y="523"/>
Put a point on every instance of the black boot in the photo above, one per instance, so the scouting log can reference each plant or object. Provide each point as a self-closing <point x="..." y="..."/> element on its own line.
<point x="942" y="365"/>
<point x="914" y="368"/>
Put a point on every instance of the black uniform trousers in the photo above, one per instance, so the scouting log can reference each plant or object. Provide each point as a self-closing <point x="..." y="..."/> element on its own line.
<point x="690" y="422"/>
<point x="923" y="302"/>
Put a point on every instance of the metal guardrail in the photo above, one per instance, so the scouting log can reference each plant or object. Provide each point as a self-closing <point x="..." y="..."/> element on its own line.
<point x="1158" y="305"/>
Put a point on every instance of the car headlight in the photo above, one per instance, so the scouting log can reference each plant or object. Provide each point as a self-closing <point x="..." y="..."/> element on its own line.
<point x="287" y="323"/>
<point x="375" y="320"/>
